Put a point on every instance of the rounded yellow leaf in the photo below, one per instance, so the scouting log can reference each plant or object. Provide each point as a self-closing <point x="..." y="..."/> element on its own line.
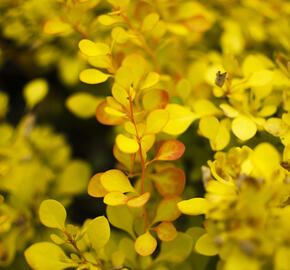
<point x="55" y="26"/>
<point x="95" y="187"/>
<point x="145" y="244"/>
<point x="47" y="256"/>
<point x="52" y="214"/>
<point x="126" y="145"/>
<point x="209" y="126"/>
<point x="119" y="35"/>
<point x="98" y="232"/>
<point x="180" y="118"/>
<point x="139" y="201"/>
<point x="266" y="158"/>
<point x="115" y="198"/>
<point x="150" y="21"/>
<point x="206" y="246"/>
<point x="115" y="180"/>
<point x="91" y="48"/>
<point x="83" y="105"/>
<point x="93" y="76"/>
<point x="195" y="206"/>
<point x="166" y="231"/>
<point x="244" y="128"/>
<point x="35" y="91"/>
<point x="108" y="20"/>
<point x="156" y="120"/>
<point x="260" y="78"/>
<point x="151" y="80"/>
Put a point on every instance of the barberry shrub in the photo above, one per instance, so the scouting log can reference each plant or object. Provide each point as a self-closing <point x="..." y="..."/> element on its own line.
<point x="197" y="95"/>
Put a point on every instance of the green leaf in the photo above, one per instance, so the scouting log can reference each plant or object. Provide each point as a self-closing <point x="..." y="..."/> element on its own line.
<point x="98" y="232"/>
<point x="47" y="256"/>
<point x="83" y="105"/>
<point x="52" y="214"/>
<point x="34" y="92"/>
<point x="176" y="250"/>
<point x="121" y="217"/>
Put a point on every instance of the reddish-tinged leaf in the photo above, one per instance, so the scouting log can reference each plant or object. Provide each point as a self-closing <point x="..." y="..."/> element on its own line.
<point x="139" y="201"/>
<point x="155" y="99"/>
<point x="145" y="244"/>
<point x="106" y="118"/>
<point x="166" y="231"/>
<point x="169" y="181"/>
<point x="170" y="150"/>
<point x="95" y="188"/>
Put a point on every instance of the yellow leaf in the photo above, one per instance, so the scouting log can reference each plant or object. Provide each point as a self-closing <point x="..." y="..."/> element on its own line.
<point x="127" y="145"/>
<point x="209" y="126"/>
<point x="55" y="26"/>
<point x="195" y="206"/>
<point x="260" y="78"/>
<point x="266" y="159"/>
<point x="180" y="118"/>
<point x="275" y="126"/>
<point x="244" y="128"/>
<point x="83" y="105"/>
<point x="93" y="76"/>
<point x="204" y="107"/>
<point x="151" y="80"/>
<point x="147" y="142"/>
<point x="166" y="231"/>
<point x="124" y="77"/>
<point x="150" y="21"/>
<point x="90" y="48"/>
<point x="229" y="110"/>
<point x="115" y="180"/>
<point x="222" y="137"/>
<point x="98" y="232"/>
<point x="155" y="99"/>
<point x="145" y="244"/>
<point x="139" y="201"/>
<point x="156" y="120"/>
<point x="95" y="187"/>
<point x="115" y="198"/>
<point x="47" y="256"/>
<point x="52" y="214"/>
<point x="109" y="20"/>
<point x="35" y="91"/>
<point x="119" y="35"/>
<point x="205" y="246"/>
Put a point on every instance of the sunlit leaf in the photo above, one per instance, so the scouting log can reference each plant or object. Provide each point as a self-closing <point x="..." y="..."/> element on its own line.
<point x="156" y="121"/>
<point x="155" y="99"/>
<point x="170" y="150"/>
<point x="52" y="214"/>
<point x="127" y="145"/>
<point x="98" y="232"/>
<point x="151" y="79"/>
<point x="145" y="244"/>
<point x="115" y="198"/>
<point x="166" y="231"/>
<point x="115" y="180"/>
<point x="195" y="206"/>
<point x="180" y="118"/>
<point x="139" y="201"/>
<point x="47" y="256"/>
<point x="91" y="48"/>
<point x="35" y="91"/>
<point x="93" y="76"/>
<point x="169" y="181"/>
<point x="95" y="187"/>
<point x="244" y="128"/>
